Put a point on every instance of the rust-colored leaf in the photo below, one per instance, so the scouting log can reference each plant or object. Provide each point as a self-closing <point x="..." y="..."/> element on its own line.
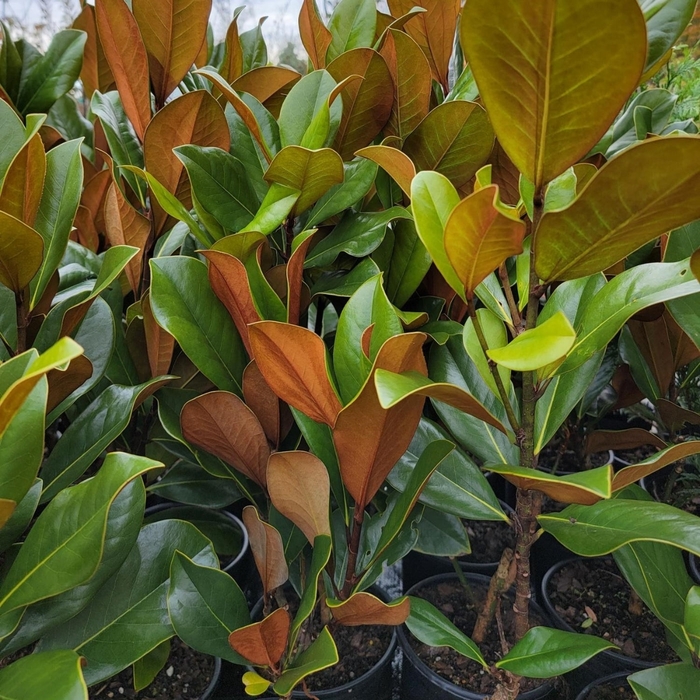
<point x="126" y="55"/>
<point x="397" y="164"/>
<point x="479" y="237"/>
<point x="628" y="439"/>
<point x="263" y="643"/>
<point x="160" y="344"/>
<point x="410" y="72"/>
<point x="315" y="36"/>
<point x="676" y="417"/>
<point x="262" y="83"/>
<point x="506" y="175"/>
<point x="684" y="349"/>
<point x="220" y="423"/>
<point x="652" y="339"/>
<point x="367" y="103"/>
<point x="21" y="252"/>
<point x="24" y="182"/>
<point x="229" y="280"/>
<point x="62" y="383"/>
<point x="244" y="112"/>
<point x="629" y="475"/>
<point x="300" y="489"/>
<point x="268" y="550"/>
<point x="125" y="226"/>
<point x="94" y="194"/>
<point x="195" y="118"/>
<point x="366" y="340"/>
<point x="95" y="73"/>
<point x="370" y="439"/>
<point x="173" y="31"/>
<point x="85" y="231"/>
<point x="293" y="361"/>
<point x="433" y="31"/>
<point x="295" y="279"/>
<point x="274" y="416"/>
<point x="366" y="609"/>
<point x="232" y="65"/>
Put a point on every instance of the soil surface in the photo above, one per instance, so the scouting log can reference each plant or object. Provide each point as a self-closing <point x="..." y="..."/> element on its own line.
<point x="488" y="539"/>
<point x="460" y="608"/>
<point x="594" y="589"/>
<point x="359" y="649"/>
<point x="685" y="492"/>
<point x="185" y="676"/>
<point x="612" y="692"/>
<point x="637" y="455"/>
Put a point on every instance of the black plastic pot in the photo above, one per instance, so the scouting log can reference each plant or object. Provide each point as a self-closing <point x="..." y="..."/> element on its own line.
<point x="240" y="565"/>
<point x="420" y="682"/>
<point x="376" y="684"/>
<point x="616" y="680"/>
<point x="694" y="566"/>
<point x="418" y="566"/>
<point x="603" y="664"/>
<point x="208" y="694"/>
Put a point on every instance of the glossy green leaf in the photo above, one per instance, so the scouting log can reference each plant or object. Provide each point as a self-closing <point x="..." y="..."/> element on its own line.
<point x="150" y="665"/>
<point x="410" y="262"/>
<point x="184" y="305"/>
<point x="359" y="178"/>
<point x="322" y="653"/>
<point x="442" y="535"/>
<point x="539" y="347"/>
<point x="123" y="143"/>
<point x="128" y="616"/>
<point x="630" y="201"/>
<point x="21" y="517"/>
<point x="427" y="624"/>
<point x="67" y="539"/>
<point x="352" y="25"/>
<point x="622" y="297"/>
<point x="123" y="523"/>
<point x="450" y="363"/>
<point x="220" y="188"/>
<point x="54" y="675"/>
<point x="53" y="74"/>
<point x="59" y="204"/>
<point x="595" y="530"/>
<point x="190" y="484"/>
<point x="691" y="616"/>
<point x="571" y="68"/>
<point x="97" y="427"/>
<point x="655" y="683"/>
<point x="304" y="101"/>
<point x="496" y="337"/>
<point x="274" y="209"/>
<point x="10" y="73"/>
<point x="352" y="362"/>
<point x="357" y="235"/>
<point x="586" y="487"/>
<point x="454" y="139"/>
<point x="457" y="486"/>
<point x="392" y="388"/>
<point x="427" y="463"/>
<point x="666" y="20"/>
<point x="545" y="653"/>
<point x="658" y="574"/>
<point x="205" y="606"/>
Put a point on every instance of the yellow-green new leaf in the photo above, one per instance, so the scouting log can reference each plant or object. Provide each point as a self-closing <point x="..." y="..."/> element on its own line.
<point x="433" y="198"/>
<point x="479" y="237"/>
<point x="644" y="192"/>
<point x="543" y="346"/>
<point x="553" y="74"/>
<point x="21" y="252"/>
<point x="585" y="487"/>
<point x="313" y="173"/>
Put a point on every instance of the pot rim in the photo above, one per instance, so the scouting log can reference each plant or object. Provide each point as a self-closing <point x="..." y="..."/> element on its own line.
<point x="215" y="678"/>
<point x="245" y="545"/>
<point x="421" y="667"/>
<point x="600" y="681"/>
<point x="559" y="620"/>
<point x="350" y="685"/>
